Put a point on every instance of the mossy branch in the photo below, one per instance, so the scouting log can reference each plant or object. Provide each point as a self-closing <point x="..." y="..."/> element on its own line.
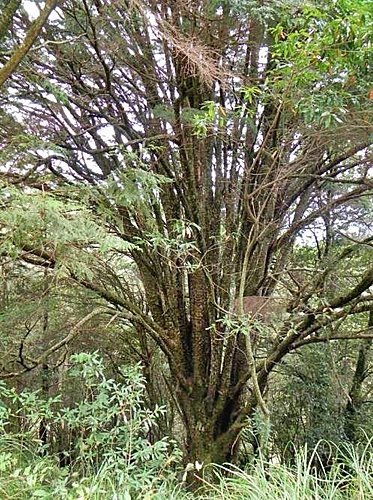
<point x="7" y="17"/>
<point x="11" y="65"/>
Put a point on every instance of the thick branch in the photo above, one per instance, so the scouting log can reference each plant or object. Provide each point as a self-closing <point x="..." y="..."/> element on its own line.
<point x="7" y="17"/>
<point x="9" y="68"/>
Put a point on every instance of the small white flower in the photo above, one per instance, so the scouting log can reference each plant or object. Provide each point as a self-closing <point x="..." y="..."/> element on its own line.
<point x="198" y="466"/>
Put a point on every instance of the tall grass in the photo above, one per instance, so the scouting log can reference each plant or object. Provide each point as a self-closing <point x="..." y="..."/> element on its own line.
<point x="25" y="475"/>
<point x="350" y="476"/>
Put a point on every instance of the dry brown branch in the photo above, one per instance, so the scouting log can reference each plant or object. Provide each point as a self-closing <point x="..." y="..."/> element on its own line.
<point x="195" y="57"/>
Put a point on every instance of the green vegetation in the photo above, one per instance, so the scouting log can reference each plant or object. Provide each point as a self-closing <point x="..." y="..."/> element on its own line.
<point x="111" y="456"/>
<point x="186" y="280"/>
<point x="25" y="476"/>
<point x="106" y="445"/>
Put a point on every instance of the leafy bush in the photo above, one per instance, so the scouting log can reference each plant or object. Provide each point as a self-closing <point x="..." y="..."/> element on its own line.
<point x="109" y="426"/>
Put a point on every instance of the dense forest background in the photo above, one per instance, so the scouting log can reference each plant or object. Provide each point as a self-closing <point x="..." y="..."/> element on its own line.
<point x="185" y="247"/>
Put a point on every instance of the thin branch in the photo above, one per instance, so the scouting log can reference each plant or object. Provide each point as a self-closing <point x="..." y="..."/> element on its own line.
<point x="314" y="340"/>
<point x="71" y="336"/>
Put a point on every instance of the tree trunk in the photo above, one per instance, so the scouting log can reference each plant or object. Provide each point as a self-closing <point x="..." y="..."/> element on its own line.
<point x="168" y="81"/>
<point x="355" y="395"/>
<point x="209" y="435"/>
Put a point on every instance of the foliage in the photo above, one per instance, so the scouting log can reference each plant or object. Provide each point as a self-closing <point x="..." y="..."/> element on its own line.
<point x="324" y="53"/>
<point x="309" y="399"/>
<point x="309" y="405"/>
<point x="109" y="426"/>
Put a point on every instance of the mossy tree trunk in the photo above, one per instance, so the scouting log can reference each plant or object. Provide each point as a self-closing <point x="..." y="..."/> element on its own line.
<point x="356" y="392"/>
<point x="6" y="17"/>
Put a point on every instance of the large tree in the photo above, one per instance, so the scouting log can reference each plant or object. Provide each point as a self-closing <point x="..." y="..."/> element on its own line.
<point x="208" y="142"/>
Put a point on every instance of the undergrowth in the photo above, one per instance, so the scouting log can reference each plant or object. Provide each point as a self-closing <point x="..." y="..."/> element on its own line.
<point x="111" y="457"/>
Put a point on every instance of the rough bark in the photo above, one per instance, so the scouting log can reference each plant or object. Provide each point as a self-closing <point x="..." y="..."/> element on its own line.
<point x="6" y="17"/>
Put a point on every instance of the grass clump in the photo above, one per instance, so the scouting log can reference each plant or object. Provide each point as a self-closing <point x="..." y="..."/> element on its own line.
<point x="349" y="476"/>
